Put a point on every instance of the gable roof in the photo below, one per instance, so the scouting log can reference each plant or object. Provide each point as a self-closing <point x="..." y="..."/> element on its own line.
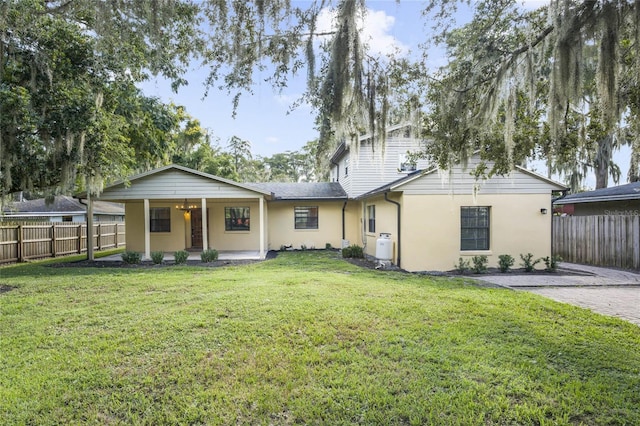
<point x="630" y="191"/>
<point x="391" y="186"/>
<point x="61" y="205"/>
<point x="399" y="183"/>
<point x="303" y="190"/>
<point x="118" y="189"/>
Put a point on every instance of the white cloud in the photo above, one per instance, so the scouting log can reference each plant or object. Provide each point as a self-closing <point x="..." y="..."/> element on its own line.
<point x="376" y="33"/>
<point x="272" y="139"/>
<point x="375" y="29"/>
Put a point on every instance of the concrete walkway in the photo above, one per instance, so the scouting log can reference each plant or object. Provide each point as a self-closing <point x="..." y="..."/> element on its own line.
<point x="606" y="291"/>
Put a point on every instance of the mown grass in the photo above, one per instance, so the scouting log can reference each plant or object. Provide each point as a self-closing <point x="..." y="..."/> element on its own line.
<point x="303" y="338"/>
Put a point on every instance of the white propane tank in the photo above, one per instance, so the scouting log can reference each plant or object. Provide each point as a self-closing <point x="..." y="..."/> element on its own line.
<point x="384" y="247"/>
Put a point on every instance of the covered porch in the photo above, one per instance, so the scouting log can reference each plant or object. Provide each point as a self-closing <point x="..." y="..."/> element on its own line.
<point x="175" y="208"/>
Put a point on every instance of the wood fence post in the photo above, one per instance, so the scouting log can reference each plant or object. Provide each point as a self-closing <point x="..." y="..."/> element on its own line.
<point x="20" y="244"/>
<point x="53" y="240"/>
<point x="99" y="236"/>
<point x="79" y="232"/>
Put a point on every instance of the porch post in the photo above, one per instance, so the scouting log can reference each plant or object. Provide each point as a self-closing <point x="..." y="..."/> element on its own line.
<point x="147" y="230"/>
<point x="262" y="228"/>
<point x="205" y="236"/>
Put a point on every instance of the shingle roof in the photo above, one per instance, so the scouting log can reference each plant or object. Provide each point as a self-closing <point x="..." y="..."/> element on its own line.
<point x="303" y="190"/>
<point x="62" y="204"/>
<point x="630" y="191"/>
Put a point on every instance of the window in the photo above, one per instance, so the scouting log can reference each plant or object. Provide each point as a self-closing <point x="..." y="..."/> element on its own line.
<point x="474" y="228"/>
<point x="371" y="218"/>
<point x="160" y="219"/>
<point x="346" y="167"/>
<point x="236" y="219"/>
<point x="306" y="217"/>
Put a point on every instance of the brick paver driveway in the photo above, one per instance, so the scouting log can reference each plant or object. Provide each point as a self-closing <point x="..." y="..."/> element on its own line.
<point x="606" y="291"/>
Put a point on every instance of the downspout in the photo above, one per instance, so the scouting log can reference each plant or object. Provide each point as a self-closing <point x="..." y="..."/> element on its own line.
<point x="344" y="206"/>
<point x="386" y="198"/>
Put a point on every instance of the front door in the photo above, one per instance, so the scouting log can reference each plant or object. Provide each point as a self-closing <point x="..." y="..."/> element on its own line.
<point x="196" y="228"/>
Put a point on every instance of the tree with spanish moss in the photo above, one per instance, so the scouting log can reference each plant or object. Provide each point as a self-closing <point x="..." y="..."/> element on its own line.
<point x="114" y="45"/>
<point x="558" y="83"/>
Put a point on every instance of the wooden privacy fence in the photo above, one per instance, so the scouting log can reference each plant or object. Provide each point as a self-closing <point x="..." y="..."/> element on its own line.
<point x="29" y="240"/>
<point x="612" y="241"/>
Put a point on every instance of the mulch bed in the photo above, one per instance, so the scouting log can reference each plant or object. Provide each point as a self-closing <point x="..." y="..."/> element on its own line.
<point x="148" y="264"/>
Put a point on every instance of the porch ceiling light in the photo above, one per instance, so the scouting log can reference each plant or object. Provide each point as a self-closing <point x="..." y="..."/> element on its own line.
<point x="186" y="207"/>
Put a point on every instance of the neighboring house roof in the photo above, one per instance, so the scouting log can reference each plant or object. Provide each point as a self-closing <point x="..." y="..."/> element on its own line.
<point x="303" y="190"/>
<point x="61" y="205"/>
<point x="630" y="191"/>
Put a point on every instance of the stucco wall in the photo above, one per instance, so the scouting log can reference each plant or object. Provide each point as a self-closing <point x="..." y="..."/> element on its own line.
<point x="165" y="241"/>
<point x="233" y="240"/>
<point x="431" y="228"/>
<point x="353" y="223"/>
<point x="180" y="236"/>
<point x="386" y="220"/>
<point x="282" y="231"/>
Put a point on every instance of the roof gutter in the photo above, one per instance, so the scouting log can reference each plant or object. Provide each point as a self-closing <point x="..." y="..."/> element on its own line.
<point x="398" y="207"/>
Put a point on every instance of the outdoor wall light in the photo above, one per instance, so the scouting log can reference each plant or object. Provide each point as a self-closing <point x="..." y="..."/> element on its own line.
<point x="543" y="211"/>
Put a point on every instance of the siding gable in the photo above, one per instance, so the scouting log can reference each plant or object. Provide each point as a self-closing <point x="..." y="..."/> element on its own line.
<point x="175" y="184"/>
<point x="460" y="181"/>
<point x="375" y="166"/>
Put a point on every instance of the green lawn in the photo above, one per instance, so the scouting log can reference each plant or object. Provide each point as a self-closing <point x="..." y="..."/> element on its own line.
<point x="304" y="338"/>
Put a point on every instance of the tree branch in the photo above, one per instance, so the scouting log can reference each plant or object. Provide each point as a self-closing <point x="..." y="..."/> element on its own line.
<point x="513" y="55"/>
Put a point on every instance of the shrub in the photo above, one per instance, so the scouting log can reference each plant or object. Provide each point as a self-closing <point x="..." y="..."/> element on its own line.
<point x="528" y="263"/>
<point x="131" y="257"/>
<point x="480" y="264"/>
<point x="328" y="246"/>
<point x="303" y="247"/>
<point x="353" y="251"/>
<point x="157" y="257"/>
<point x="505" y="262"/>
<point x="209" y="255"/>
<point x="462" y="266"/>
<point x="551" y="263"/>
<point x="180" y="256"/>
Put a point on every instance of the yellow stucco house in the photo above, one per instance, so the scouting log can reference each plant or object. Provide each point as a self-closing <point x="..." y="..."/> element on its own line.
<point x="430" y="217"/>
